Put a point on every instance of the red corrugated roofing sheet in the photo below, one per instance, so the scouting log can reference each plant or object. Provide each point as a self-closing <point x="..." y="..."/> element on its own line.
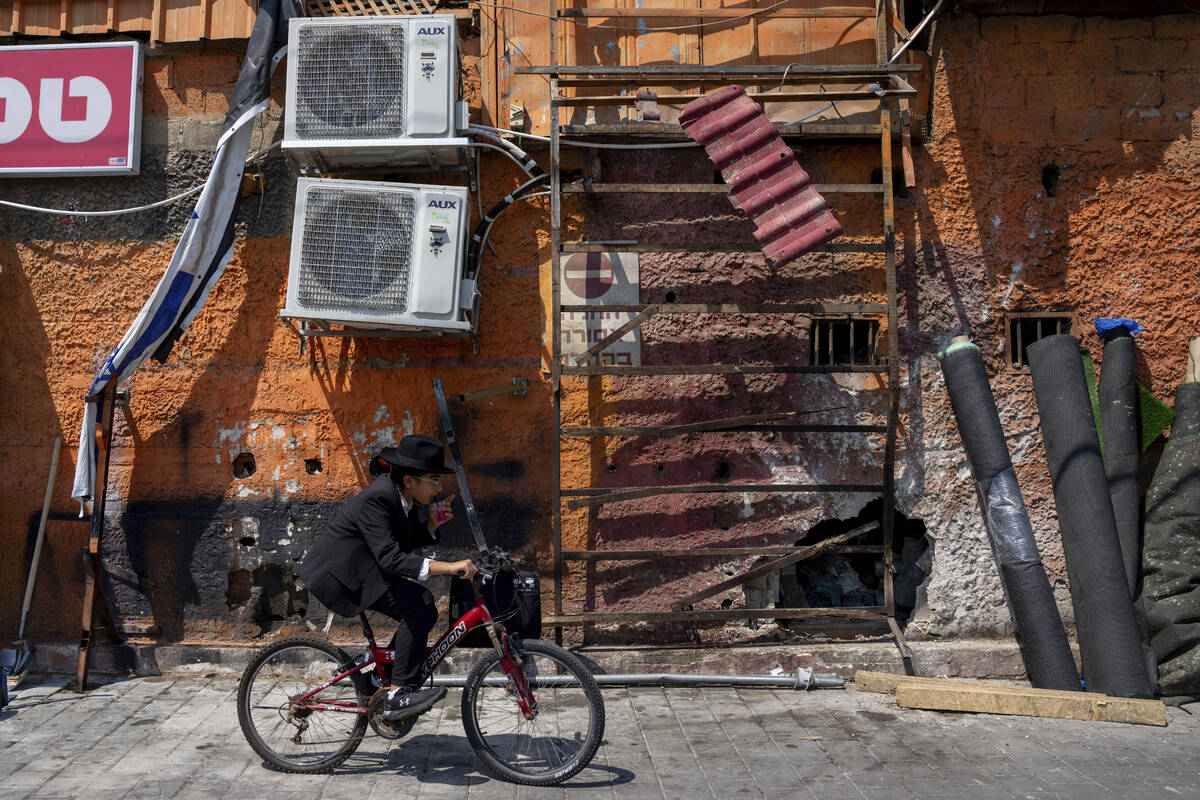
<point x="765" y="180"/>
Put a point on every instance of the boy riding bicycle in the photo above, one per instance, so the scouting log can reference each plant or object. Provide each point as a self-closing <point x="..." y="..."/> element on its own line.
<point x="365" y="559"/>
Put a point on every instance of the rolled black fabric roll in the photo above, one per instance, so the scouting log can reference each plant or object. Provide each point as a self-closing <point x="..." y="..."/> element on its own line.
<point x="1044" y="648"/>
<point x="1119" y="426"/>
<point x="1118" y="422"/>
<point x="1104" y="615"/>
<point x="1171" y="589"/>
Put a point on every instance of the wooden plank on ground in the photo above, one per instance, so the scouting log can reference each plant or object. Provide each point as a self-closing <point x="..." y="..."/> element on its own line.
<point x="1030" y="703"/>
<point x="886" y="683"/>
<point x="944" y="694"/>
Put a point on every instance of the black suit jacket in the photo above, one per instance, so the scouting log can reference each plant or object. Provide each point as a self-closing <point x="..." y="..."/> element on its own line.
<point x="367" y="545"/>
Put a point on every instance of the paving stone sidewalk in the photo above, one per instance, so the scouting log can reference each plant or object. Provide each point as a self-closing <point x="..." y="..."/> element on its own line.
<point x="179" y="738"/>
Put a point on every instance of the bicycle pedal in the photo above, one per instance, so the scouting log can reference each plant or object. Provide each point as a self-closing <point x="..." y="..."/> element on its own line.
<point x="387" y="729"/>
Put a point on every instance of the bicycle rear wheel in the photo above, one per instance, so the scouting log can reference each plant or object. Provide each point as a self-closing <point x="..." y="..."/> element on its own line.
<point x="567" y="727"/>
<point x="296" y="735"/>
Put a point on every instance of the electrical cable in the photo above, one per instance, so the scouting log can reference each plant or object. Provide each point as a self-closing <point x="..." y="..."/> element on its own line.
<point x="115" y="212"/>
<point x="531" y="167"/>
<point x="501" y="150"/>
<point x="484" y="226"/>
<point x="479" y="195"/>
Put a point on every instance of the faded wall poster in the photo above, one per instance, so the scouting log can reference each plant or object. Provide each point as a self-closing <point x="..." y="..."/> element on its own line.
<point x="600" y="279"/>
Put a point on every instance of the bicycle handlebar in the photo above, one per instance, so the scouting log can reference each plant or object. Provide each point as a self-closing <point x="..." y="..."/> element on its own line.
<point x="492" y="561"/>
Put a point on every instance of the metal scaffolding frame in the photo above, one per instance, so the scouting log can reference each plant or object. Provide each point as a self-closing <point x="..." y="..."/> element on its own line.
<point x="888" y="90"/>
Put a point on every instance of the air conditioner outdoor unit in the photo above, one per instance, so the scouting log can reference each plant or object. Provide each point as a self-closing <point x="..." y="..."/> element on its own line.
<point x="380" y="255"/>
<point x="370" y="91"/>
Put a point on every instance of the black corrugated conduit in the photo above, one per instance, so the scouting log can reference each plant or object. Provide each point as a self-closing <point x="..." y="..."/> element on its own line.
<point x="1104" y="617"/>
<point x="1039" y="629"/>
<point x="1119" y="431"/>
<point x="1171" y="588"/>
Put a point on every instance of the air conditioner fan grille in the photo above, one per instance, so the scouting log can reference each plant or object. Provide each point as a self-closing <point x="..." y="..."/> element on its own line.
<point x="356" y="251"/>
<point x="350" y="81"/>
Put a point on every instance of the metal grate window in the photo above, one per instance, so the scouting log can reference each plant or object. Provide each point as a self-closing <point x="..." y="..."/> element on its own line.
<point x="1025" y="328"/>
<point x="356" y="253"/>
<point x="350" y="81"/>
<point x="841" y="342"/>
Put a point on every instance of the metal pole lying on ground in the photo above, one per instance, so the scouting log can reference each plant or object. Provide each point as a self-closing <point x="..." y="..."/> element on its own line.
<point x="801" y="679"/>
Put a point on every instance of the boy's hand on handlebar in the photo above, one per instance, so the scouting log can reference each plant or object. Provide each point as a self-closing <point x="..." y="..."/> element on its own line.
<point x="463" y="569"/>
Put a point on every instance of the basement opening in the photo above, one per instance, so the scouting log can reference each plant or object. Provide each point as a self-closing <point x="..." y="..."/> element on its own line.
<point x="840" y="342"/>
<point x="243" y="465"/>
<point x="1023" y="328"/>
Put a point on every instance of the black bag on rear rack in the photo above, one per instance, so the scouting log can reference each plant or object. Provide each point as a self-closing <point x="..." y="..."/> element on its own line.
<point x="514" y="598"/>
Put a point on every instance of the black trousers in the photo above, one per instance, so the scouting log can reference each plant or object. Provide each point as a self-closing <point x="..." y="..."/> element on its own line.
<point x="411" y="605"/>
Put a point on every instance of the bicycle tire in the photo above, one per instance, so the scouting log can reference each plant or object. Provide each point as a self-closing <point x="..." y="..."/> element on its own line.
<point x="501" y="750"/>
<point x="312" y="660"/>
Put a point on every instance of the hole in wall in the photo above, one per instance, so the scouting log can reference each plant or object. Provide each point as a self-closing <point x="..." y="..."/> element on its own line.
<point x="612" y="467"/>
<point x="723" y="471"/>
<point x="238" y="590"/>
<point x="243" y="465"/>
<point x="313" y="466"/>
<point x="1050" y="179"/>
<point x="660" y="467"/>
<point x="247" y="541"/>
<point x="670" y="297"/>
<point x="855" y="579"/>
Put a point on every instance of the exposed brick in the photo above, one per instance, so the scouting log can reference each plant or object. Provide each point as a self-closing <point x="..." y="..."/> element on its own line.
<point x="1019" y="124"/>
<point x="1004" y="93"/>
<point x="1059" y="91"/>
<point x="1164" y="55"/>
<point x="1181" y="89"/>
<point x="1014" y="59"/>
<point x="1126" y="91"/>
<point x="1154" y="126"/>
<point x="1177" y="26"/>
<point x="1054" y="28"/>
<point x="1109" y="28"/>
<point x="1081" y="124"/>
<point x="1091" y="56"/>
<point x="998" y="30"/>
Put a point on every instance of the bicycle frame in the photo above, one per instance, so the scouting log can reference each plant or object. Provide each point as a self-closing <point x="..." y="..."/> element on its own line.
<point x="380" y="656"/>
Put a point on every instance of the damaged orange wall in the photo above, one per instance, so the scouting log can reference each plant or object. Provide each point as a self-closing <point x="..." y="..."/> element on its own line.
<point x="236" y="383"/>
<point x="1111" y="103"/>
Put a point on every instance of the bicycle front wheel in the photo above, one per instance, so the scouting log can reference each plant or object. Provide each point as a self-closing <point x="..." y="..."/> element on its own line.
<point x="291" y="732"/>
<point x="567" y="725"/>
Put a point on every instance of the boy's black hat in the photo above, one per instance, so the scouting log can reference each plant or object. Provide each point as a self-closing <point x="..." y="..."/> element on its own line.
<point x="417" y="452"/>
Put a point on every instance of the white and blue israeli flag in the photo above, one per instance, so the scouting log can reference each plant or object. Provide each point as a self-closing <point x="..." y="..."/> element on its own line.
<point x="206" y="245"/>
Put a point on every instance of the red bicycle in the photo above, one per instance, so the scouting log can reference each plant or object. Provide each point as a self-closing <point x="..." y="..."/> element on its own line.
<point x="532" y="711"/>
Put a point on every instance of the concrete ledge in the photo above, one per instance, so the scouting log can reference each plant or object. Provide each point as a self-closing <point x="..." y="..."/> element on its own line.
<point x="959" y="658"/>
